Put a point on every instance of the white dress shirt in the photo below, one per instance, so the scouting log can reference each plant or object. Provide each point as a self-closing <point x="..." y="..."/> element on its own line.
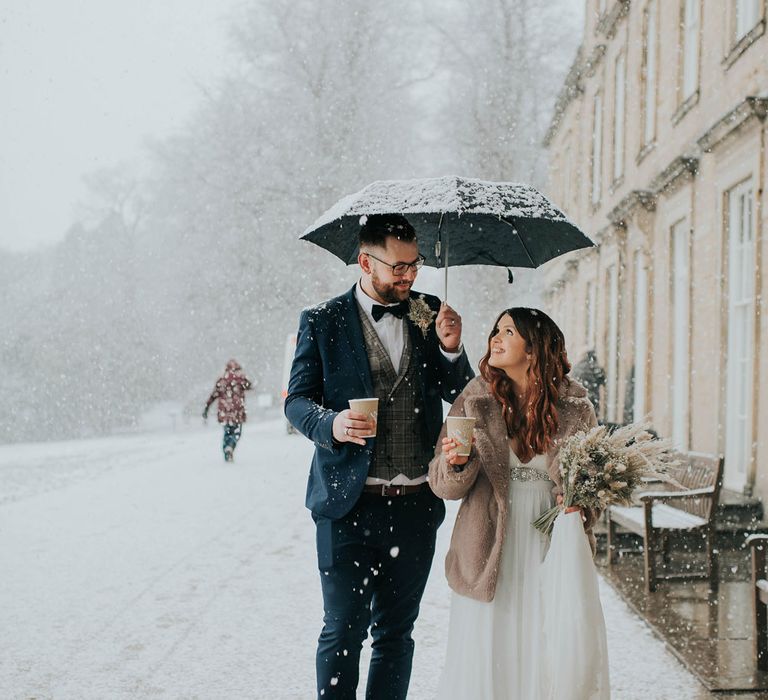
<point x="391" y="332"/>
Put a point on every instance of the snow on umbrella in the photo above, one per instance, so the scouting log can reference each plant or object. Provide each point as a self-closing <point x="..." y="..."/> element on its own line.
<point x="482" y="223"/>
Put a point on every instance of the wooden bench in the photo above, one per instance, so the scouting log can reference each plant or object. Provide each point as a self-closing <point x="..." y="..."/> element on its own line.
<point x="759" y="544"/>
<point x="669" y="511"/>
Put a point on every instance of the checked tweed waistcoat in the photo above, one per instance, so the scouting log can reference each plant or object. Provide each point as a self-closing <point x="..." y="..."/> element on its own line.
<point x="400" y="431"/>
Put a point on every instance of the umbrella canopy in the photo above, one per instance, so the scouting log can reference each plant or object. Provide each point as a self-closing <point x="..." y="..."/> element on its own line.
<point x="475" y="222"/>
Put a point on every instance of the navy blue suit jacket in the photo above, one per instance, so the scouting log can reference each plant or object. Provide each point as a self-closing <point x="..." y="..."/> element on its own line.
<point x="329" y="368"/>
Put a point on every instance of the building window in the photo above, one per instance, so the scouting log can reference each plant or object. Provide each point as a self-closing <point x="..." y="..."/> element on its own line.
<point x="681" y="332"/>
<point x="567" y="172"/>
<point x="612" y="360"/>
<point x="591" y="319"/>
<point x="641" y="337"/>
<point x="690" y="76"/>
<point x="747" y="17"/>
<point x="597" y="147"/>
<point x="649" y="74"/>
<point x="741" y="334"/>
<point x="619" y="83"/>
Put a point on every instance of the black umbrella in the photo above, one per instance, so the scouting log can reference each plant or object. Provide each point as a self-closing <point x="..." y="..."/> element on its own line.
<point x="483" y="223"/>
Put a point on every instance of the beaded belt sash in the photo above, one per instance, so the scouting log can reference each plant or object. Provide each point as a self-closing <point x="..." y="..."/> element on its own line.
<point x="527" y="474"/>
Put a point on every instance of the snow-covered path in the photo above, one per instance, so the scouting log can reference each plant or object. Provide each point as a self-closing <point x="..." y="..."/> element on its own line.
<point x="146" y="567"/>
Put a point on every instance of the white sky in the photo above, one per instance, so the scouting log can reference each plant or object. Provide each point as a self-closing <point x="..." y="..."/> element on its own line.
<point x="82" y="83"/>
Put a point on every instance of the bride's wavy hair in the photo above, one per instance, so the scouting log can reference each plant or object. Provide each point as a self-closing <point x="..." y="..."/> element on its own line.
<point x="534" y="419"/>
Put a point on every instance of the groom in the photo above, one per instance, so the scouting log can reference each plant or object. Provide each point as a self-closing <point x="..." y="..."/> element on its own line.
<point x="375" y="515"/>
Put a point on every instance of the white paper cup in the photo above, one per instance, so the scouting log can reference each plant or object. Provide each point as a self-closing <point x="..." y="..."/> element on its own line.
<point x="460" y="429"/>
<point x="370" y="407"/>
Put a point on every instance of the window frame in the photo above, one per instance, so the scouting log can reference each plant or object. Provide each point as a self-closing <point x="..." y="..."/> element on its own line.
<point x="612" y="331"/>
<point x="737" y="42"/>
<point x="650" y="78"/>
<point x="689" y="53"/>
<point x="680" y="236"/>
<point x="641" y="339"/>
<point x="619" y="116"/>
<point x="590" y="325"/>
<point x="738" y="34"/>
<point x="743" y="309"/>
<point x="596" y="193"/>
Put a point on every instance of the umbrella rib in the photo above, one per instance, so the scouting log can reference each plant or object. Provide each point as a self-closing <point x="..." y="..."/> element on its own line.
<point x="520" y="238"/>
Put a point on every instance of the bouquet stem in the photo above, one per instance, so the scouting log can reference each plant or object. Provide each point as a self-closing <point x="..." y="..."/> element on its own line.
<point x="546" y="521"/>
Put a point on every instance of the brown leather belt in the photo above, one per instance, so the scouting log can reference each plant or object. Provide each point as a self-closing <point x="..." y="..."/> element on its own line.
<point x="395" y="490"/>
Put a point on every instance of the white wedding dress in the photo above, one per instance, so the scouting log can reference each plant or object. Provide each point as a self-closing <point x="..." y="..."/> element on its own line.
<point x="498" y="650"/>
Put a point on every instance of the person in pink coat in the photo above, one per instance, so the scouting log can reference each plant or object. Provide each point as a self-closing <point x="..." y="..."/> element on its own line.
<point x="230" y="391"/>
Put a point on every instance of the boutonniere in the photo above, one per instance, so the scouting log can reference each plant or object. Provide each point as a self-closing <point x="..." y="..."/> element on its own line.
<point x="420" y="313"/>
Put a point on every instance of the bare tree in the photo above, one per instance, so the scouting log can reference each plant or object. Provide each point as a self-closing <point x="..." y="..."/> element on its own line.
<point x="320" y="105"/>
<point x="504" y="61"/>
<point x="171" y="273"/>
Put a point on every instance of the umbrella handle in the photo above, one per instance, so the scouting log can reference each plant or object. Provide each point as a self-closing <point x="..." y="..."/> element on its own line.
<point x="438" y="253"/>
<point x="445" y="294"/>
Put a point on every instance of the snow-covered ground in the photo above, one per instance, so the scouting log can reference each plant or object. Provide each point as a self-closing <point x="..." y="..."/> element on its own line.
<point x="145" y="567"/>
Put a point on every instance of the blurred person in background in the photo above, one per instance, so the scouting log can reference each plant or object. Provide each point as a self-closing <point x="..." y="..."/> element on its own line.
<point x="230" y="391"/>
<point x="591" y="375"/>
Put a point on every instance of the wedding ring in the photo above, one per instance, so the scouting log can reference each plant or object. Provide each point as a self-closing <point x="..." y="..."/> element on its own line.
<point x="346" y="431"/>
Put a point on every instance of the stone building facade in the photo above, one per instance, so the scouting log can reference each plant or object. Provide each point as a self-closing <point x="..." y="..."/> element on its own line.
<point x="658" y="150"/>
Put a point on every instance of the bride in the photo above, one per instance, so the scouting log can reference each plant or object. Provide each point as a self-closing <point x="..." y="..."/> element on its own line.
<point x="524" y="405"/>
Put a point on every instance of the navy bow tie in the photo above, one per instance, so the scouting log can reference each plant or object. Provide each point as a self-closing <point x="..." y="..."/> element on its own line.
<point x="397" y="310"/>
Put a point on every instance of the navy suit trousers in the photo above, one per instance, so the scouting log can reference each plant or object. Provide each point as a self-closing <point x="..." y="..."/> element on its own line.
<point x="373" y="564"/>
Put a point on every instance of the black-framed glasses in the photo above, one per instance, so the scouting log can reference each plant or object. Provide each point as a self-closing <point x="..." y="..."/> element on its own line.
<point x="399" y="269"/>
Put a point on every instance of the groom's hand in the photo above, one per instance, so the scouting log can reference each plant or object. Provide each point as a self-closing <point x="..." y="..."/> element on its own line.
<point x="349" y="425"/>
<point x="448" y="327"/>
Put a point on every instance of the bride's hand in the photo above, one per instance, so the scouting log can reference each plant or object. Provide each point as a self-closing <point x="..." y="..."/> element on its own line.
<point x="450" y="450"/>
<point x="569" y="509"/>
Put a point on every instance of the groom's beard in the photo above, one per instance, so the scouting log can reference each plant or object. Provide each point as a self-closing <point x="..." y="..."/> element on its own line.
<point x="390" y="293"/>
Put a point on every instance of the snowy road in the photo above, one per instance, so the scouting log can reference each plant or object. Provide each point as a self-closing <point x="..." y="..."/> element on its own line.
<point x="144" y="567"/>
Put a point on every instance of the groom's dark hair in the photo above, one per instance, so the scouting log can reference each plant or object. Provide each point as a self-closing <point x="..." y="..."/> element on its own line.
<point x="376" y="228"/>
